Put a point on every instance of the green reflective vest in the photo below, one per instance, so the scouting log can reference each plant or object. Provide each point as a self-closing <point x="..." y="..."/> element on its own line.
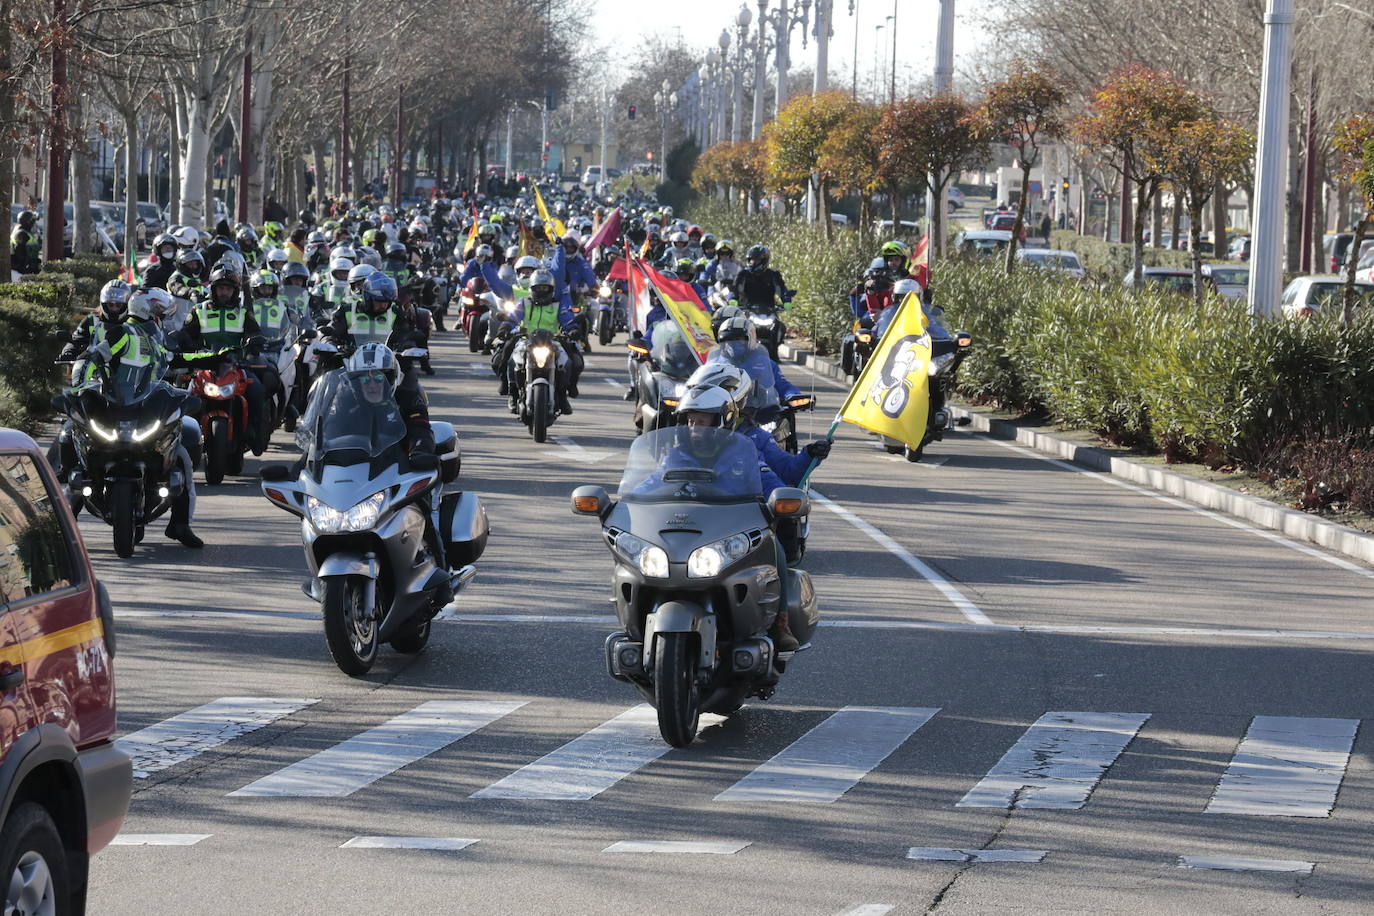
<point x="221" y="328"/>
<point x="540" y="317"/>
<point x="272" y="317"/>
<point x="367" y="328"/>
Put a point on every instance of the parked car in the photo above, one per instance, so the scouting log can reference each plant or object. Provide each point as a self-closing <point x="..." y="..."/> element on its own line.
<point x="1004" y="222"/>
<point x="64" y="785"/>
<point x="1173" y="279"/>
<point x="1303" y="297"/>
<point x="1239" y="249"/>
<point x="982" y="241"/>
<point x="1228" y="280"/>
<point x="1336" y="245"/>
<point x="1365" y="269"/>
<point x="591" y="176"/>
<point x="956" y="198"/>
<point x="1065" y="262"/>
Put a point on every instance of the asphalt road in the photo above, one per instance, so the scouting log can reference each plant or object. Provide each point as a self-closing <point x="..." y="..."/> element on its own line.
<point x="1021" y="661"/>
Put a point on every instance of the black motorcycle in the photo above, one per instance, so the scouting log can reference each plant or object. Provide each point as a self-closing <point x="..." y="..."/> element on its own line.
<point x="124" y="431"/>
<point x="535" y="360"/>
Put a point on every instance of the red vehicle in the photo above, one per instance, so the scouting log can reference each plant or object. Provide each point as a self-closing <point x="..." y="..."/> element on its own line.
<point x="476" y="302"/>
<point x="64" y="785"/>
<point x="223" y="419"/>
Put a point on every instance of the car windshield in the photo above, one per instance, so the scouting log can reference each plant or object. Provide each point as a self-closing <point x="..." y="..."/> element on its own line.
<point x="1230" y="276"/>
<point x="1333" y="294"/>
<point x="672" y="352"/>
<point x="691" y="464"/>
<point x="986" y="246"/>
<point x="351" y="413"/>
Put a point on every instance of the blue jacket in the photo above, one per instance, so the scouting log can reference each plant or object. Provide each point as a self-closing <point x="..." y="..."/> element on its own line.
<point x="571" y="272"/>
<point x="777" y="467"/>
<point x="785" y="389"/>
<point x="506" y="291"/>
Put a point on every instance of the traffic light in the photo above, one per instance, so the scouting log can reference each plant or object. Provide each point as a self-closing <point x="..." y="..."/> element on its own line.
<point x="1065" y="186"/>
<point x="631" y="114"/>
<point x="547" y="144"/>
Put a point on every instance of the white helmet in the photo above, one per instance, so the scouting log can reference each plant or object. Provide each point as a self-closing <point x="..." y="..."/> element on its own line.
<point x="679" y="237"/>
<point x="372" y="357"/>
<point x="339" y="264"/>
<point x="711" y="399"/>
<point x="529" y="262"/>
<point x="186" y="236"/>
<point x="164" y="306"/>
<point x="345" y="251"/>
<point x="904" y="286"/>
<point x="360" y="272"/>
<point x="275" y="255"/>
<point x="723" y="376"/>
<point x="140" y="307"/>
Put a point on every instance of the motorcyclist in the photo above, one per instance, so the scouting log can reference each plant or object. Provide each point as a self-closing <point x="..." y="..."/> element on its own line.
<point x="333" y="293"/>
<point x="222" y="322"/>
<point x="158" y="275"/>
<point x="686" y="271"/>
<point x="247" y="240"/>
<point x="26" y="248"/>
<point x="757" y="284"/>
<point x="376" y="318"/>
<point x="897" y="257"/>
<point x="541" y="310"/>
<point x="723" y="267"/>
<point x="872" y="294"/>
<point x="738" y="344"/>
<point x="222" y="242"/>
<point x="396" y="265"/>
<point x="570" y="269"/>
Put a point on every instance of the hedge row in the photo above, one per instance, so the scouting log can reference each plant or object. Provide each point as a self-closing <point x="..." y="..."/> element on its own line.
<point x="1111" y="261"/>
<point x="36" y="314"/>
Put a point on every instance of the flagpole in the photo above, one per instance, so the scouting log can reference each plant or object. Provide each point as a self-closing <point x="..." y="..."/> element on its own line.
<point x="829" y="437"/>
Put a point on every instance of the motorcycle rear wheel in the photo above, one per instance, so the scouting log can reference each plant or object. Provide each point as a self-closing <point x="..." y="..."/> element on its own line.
<point x="216" y="451"/>
<point x="349" y="630"/>
<point x="605" y="329"/>
<point x="122" y="517"/>
<point x="676" y="696"/>
<point x="474" y="337"/>
<point x="539" y="413"/>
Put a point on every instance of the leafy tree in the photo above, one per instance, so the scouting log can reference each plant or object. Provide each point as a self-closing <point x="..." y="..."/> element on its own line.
<point x="849" y="159"/>
<point x="1129" y="119"/>
<point x="1198" y="156"/>
<point x="925" y="138"/>
<point x="794" y="142"/>
<point x="1022" y="110"/>
<point x="1355" y="143"/>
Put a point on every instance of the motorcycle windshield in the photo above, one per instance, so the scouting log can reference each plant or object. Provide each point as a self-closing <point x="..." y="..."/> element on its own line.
<point x="672" y="352"/>
<point x="691" y="464"/>
<point x="128" y="384"/>
<point x="351" y="418"/>
<point x="295" y="298"/>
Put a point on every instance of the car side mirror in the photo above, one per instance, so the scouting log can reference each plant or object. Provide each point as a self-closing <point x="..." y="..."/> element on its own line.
<point x="590" y="500"/>
<point x="789" y="502"/>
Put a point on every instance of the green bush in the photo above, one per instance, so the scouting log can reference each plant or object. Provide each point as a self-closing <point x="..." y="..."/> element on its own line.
<point x="1109" y="262"/>
<point x="100" y="269"/>
<point x="32" y="334"/>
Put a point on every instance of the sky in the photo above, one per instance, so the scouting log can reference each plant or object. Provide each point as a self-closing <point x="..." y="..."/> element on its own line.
<point x="621" y="24"/>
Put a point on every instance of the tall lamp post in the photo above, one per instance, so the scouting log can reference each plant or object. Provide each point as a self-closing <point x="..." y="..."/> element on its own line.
<point x="665" y="98"/>
<point x="709" y="97"/>
<point x="742" y="20"/>
<point x="724" y="69"/>
<point x="760" y="49"/>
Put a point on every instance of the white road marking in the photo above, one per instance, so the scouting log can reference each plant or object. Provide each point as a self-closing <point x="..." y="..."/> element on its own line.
<point x="445" y="843"/>
<point x="870" y="909"/>
<point x="1236" y="863"/>
<point x="870" y="623"/>
<point x="619" y="386"/>
<point x="363" y="759"/>
<point x="944" y="854"/>
<point x="192" y="733"/>
<point x="680" y="847"/>
<point x="283" y="615"/>
<point x="1172" y="501"/>
<point x="589" y="764"/>
<point x="1288" y="766"/>
<point x="159" y="839"/>
<point x="1057" y="762"/>
<point x="956" y="597"/>
<point x="580" y="454"/>
<point x="829" y="760"/>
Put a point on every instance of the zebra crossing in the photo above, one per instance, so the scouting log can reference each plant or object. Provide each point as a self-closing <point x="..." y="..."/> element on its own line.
<point x="1283" y="766"/>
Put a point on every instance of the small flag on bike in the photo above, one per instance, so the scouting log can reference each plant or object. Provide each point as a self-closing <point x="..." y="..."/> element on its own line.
<point x="892" y="395"/>
<point x="472" y="235"/>
<point x="685" y="308"/>
<point x="606" y="234"/>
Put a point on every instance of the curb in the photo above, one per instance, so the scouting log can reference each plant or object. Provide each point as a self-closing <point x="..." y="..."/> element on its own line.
<point x="1262" y="513"/>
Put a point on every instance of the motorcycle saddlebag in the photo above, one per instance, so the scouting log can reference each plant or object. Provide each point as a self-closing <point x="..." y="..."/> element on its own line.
<point x="802" y="612"/>
<point x="463" y="520"/>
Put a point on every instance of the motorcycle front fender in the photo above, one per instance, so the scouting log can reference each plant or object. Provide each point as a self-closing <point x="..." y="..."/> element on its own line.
<point x="345" y="563"/>
<point x="682" y="617"/>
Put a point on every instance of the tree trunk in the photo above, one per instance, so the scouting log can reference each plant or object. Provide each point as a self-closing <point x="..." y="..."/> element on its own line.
<point x="1144" y="192"/>
<point x="936" y="246"/>
<point x="9" y="150"/>
<point x="173" y="169"/>
<point x="1220" y="215"/>
<point x="1157" y="222"/>
<point x="317" y="153"/>
<point x="1176" y="221"/>
<point x="1020" y="221"/>
<point x="207" y="164"/>
<point x="1362" y="227"/>
<point x="193" y="170"/>
<point x="130" y="116"/>
<point x="1194" y="248"/>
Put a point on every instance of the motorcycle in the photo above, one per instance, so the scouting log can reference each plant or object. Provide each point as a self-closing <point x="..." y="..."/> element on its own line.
<point x="611" y="315"/>
<point x="476" y="304"/>
<point x="946" y="353"/>
<point x="536" y="359"/>
<point x="385" y="544"/>
<point x="661" y="375"/>
<point x="856" y="348"/>
<point x="125" y="430"/>
<point x="768" y="324"/>
<point x="223" y="418"/>
<point x="700" y="575"/>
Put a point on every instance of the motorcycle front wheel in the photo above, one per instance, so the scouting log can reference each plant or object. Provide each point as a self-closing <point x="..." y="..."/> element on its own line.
<point x="605" y="329"/>
<point x="122" y="517"/>
<point x="477" y="333"/>
<point x="539" y="413"/>
<point x="350" y="628"/>
<point x="676" y="696"/>
<point x="217" y="451"/>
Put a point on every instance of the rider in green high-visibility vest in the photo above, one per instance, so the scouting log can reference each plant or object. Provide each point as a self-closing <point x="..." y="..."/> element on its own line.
<point x="26" y="248"/>
<point x="539" y="309"/>
<point x="224" y="321"/>
<point x="272" y="314"/>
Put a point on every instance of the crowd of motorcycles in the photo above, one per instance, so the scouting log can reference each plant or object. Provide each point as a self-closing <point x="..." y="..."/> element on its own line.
<point x="222" y="340"/>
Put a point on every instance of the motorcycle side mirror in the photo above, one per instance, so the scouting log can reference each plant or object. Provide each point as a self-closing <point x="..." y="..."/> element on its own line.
<point x="424" y="461"/>
<point x="789" y="502"/>
<point x="590" y="500"/>
<point x="866" y="322"/>
<point x="963" y="338"/>
<point x="274" y="473"/>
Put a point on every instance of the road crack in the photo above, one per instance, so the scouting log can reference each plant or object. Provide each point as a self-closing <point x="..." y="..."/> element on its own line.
<point x="991" y="841"/>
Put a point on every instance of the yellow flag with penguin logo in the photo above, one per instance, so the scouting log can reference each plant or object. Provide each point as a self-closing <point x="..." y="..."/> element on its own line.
<point x="552" y="228"/>
<point x="892" y="395"/>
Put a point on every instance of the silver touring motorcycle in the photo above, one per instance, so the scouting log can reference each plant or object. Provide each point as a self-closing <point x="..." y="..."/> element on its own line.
<point x="387" y="543"/>
<point x="699" y="574"/>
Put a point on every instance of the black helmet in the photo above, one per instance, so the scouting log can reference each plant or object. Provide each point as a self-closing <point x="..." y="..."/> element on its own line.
<point x="295" y="270"/>
<point x="306" y="217"/>
<point x="396" y="250"/>
<point x="27" y="218"/>
<point x="225" y="276"/>
<point x="191" y="263"/>
<point x="757" y="254"/>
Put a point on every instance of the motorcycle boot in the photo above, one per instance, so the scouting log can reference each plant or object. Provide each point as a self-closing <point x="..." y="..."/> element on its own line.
<point x="783" y="640"/>
<point x="179" y="528"/>
<point x="561" y="384"/>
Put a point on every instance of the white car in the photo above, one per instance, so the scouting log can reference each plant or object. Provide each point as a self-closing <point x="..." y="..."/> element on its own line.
<point x="1065" y="262"/>
<point x="956" y="198"/>
<point x="983" y="241"/>
<point x="1365" y="269"/>
<point x="1229" y="280"/>
<point x="1305" y="296"/>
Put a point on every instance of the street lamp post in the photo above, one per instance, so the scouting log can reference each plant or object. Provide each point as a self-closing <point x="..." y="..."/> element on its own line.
<point x="821" y="29"/>
<point x="756" y="125"/>
<point x="709" y="98"/>
<point x="742" y="19"/>
<point x="724" y="69"/>
<point x="1271" y="161"/>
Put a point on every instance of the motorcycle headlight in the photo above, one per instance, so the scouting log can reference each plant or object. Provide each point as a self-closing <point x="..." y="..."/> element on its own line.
<point x="141" y="435"/>
<point x="219" y="391"/>
<point x="605" y="290"/>
<point x="650" y="559"/>
<point x="939" y="364"/>
<point x="541" y="355"/>
<point x="109" y="435"/>
<point x="328" y="520"/>
<point x="762" y="321"/>
<point x="708" y="561"/>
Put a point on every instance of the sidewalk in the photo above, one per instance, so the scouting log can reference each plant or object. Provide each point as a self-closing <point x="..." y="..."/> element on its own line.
<point x="1262" y="513"/>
